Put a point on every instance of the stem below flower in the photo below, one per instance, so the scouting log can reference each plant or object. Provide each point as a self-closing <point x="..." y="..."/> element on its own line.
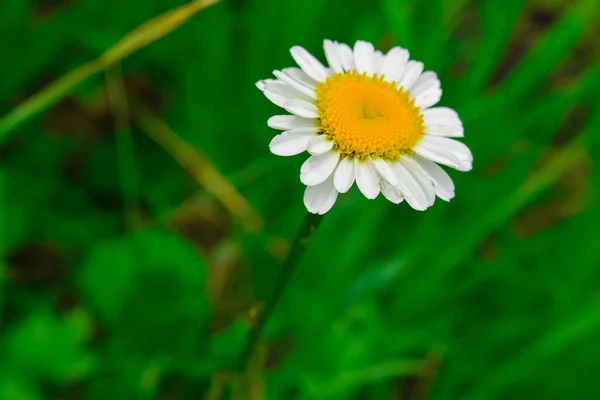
<point x="299" y="245"/>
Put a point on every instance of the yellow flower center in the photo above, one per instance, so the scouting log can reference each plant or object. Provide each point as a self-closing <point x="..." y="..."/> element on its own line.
<point x="367" y="116"/>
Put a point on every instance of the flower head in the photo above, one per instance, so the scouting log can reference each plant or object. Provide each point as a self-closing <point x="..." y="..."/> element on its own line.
<point x="367" y="118"/>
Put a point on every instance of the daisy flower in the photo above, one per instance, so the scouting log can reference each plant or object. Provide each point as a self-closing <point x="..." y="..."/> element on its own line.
<point x="366" y="118"/>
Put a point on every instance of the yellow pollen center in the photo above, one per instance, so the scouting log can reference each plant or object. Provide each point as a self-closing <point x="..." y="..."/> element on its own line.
<point x="367" y="116"/>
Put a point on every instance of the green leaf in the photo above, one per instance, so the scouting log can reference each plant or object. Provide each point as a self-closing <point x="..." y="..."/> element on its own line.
<point x="15" y="387"/>
<point x="153" y="266"/>
<point x="44" y="346"/>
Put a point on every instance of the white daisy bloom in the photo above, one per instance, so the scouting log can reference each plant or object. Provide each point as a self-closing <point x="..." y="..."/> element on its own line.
<point x="367" y="118"/>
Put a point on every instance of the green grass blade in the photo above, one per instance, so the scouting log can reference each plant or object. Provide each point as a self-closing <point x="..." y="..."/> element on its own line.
<point x="498" y="18"/>
<point x="128" y="174"/>
<point x="555" y="46"/>
<point x="564" y="335"/>
<point x="137" y="39"/>
<point x="433" y="36"/>
<point x="399" y="14"/>
<point x="370" y="375"/>
<point x="526" y="192"/>
<point x="541" y="61"/>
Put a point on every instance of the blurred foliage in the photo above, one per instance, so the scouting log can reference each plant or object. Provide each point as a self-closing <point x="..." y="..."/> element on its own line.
<point x="143" y="219"/>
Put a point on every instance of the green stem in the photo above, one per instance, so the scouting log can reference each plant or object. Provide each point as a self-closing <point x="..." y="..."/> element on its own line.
<point x="3" y="241"/>
<point x="128" y="175"/>
<point x="299" y="245"/>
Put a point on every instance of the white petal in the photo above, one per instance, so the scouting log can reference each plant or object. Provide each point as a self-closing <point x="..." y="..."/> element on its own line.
<point x="367" y="179"/>
<point x="444" y="187"/>
<point x="308" y="63"/>
<point x="275" y="99"/>
<point x="318" y="168"/>
<point x="390" y="192"/>
<point x="427" y="78"/>
<point x="379" y="59"/>
<point x="344" y="175"/>
<point x="394" y="64"/>
<point x="320" y="198"/>
<point x="292" y="142"/>
<point x="279" y="92"/>
<point x="428" y="97"/>
<point x="426" y="90"/>
<point x="282" y="76"/>
<point x="386" y="172"/>
<point x="411" y="74"/>
<point x="334" y="58"/>
<point x="285" y="122"/>
<point x="440" y="113"/>
<point x="421" y="177"/>
<point x="442" y="121"/>
<point x="319" y="145"/>
<point x="263" y="83"/>
<point x="439" y="155"/>
<point x="410" y="188"/>
<point x="364" y="57"/>
<point x="346" y="56"/>
<point x="459" y="149"/>
<point x="302" y="108"/>
<point x="445" y="151"/>
<point x="448" y="129"/>
<point x="300" y="76"/>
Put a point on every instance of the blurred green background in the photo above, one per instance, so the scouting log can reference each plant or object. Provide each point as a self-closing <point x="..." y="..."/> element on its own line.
<point x="128" y="274"/>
